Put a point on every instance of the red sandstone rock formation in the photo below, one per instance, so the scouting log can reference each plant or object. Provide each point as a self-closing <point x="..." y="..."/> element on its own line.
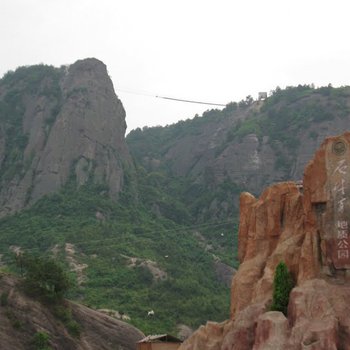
<point x="310" y="232"/>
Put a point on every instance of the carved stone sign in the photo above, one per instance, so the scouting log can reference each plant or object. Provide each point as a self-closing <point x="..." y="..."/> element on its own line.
<point x="338" y="205"/>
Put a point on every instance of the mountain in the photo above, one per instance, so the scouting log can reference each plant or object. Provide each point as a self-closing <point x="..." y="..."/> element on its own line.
<point x="59" y="123"/>
<point x="30" y="324"/>
<point x="148" y="222"/>
<point x="70" y="189"/>
<point x="306" y="229"/>
<point x="246" y="146"/>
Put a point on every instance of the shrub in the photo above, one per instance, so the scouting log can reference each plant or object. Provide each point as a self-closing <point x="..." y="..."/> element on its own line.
<point x="15" y="322"/>
<point x="4" y="299"/>
<point x="282" y="285"/>
<point x="73" y="328"/>
<point x="44" y="277"/>
<point x="41" y="341"/>
<point x="64" y="314"/>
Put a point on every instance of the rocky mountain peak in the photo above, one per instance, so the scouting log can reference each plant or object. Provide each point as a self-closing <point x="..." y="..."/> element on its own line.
<point x="72" y="126"/>
<point x="307" y="228"/>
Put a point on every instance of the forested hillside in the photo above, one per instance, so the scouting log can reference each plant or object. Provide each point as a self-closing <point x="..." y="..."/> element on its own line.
<point x="150" y="223"/>
<point x="126" y="236"/>
<point x="246" y="146"/>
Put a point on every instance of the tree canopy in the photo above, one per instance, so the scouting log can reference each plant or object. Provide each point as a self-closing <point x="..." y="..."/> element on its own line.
<point x="44" y="277"/>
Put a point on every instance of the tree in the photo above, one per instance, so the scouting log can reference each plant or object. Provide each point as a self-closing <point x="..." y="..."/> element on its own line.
<point x="282" y="285"/>
<point x="44" y="277"/>
<point x="41" y="341"/>
<point x="249" y="100"/>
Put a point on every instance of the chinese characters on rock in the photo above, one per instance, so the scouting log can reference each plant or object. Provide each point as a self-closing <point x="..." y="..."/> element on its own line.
<point x="341" y="223"/>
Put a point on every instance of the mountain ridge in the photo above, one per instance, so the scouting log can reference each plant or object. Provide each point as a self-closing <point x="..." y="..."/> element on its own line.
<point x="246" y="146"/>
<point x="173" y="207"/>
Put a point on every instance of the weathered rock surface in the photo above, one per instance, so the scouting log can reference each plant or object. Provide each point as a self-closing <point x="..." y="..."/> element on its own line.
<point x="308" y="229"/>
<point x="183" y="331"/>
<point x="22" y="317"/>
<point x="224" y="273"/>
<point x="272" y="232"/>
<point x="208" y="337"/>
<point x="271" y="331"/>
<point x="74" y="127"/>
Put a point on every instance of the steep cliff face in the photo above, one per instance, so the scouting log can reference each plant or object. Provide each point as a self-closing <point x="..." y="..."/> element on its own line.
<point x="57" y="124"/>
<point x="307" y="228"/>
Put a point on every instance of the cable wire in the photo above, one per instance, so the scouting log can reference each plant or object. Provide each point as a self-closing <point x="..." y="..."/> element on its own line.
<point x="190" y="101"/>
<point x="170" y="98"/>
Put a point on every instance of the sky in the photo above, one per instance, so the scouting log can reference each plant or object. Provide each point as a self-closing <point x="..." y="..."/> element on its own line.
<point x="213" y="51"/>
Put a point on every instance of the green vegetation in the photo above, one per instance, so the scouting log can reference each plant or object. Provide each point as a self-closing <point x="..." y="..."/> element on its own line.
<point x="179" y="224"/>
<point x="190" y="295"/>
<point x="44" y="277"/>
<point x="19" y="86"/>
<point x="156" y="141"/>
<point x="15" y="322"/>
<point x="282" y="285"/>
<point x="286" y="113"/>
<point x="159" y="217"/>
<point x="41" y="341"/>
<point x="4" y="298"/>
<point x="63" y="312"/>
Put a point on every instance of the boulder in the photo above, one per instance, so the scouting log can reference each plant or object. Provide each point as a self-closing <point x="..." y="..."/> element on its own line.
<point x="271" y="331"/>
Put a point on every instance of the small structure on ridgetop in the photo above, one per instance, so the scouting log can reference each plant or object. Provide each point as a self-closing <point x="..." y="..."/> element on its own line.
<point x="262" y="96"/>
<point x="159" y="342"/>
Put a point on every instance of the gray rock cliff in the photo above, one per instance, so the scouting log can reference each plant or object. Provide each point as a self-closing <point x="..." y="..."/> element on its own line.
<point x="73" y="125"/>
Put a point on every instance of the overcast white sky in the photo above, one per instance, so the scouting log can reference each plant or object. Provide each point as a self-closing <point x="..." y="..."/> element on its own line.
<point x="216" y="51"/>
